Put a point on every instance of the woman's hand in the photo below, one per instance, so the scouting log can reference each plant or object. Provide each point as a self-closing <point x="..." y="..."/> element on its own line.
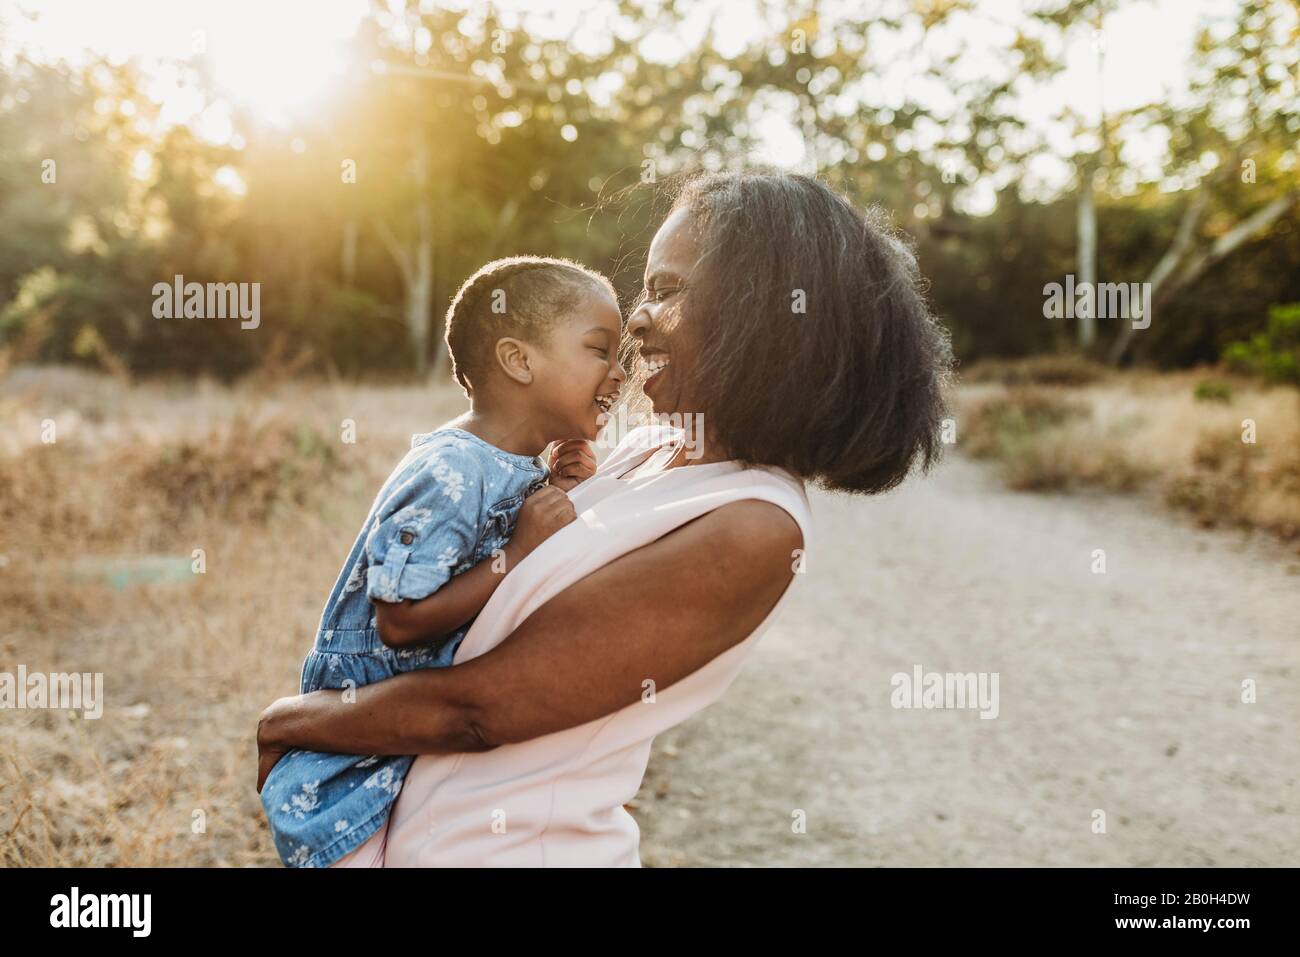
<point x="269" y="751"/>
<point x="571" y="462"/>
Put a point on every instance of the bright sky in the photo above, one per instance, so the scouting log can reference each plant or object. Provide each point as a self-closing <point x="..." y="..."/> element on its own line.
<point x="279" y="58"/>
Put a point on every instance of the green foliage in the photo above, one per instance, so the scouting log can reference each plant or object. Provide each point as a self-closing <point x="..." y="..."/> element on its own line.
<point x="466" y="150"/>
<point x="358" y="333"/>
<point x="1210" y="390"/>
<point x="1273" y="353"/>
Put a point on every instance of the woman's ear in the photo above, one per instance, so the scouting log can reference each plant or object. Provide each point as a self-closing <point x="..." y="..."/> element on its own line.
<point x="515" y="360"/>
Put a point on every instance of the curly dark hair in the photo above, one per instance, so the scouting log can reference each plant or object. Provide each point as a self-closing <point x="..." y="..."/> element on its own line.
<point x="535" y="292"/>
<point x="848" y="393"/>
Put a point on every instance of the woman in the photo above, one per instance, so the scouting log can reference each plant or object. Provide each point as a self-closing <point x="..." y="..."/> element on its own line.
<point x="791" y="326"/>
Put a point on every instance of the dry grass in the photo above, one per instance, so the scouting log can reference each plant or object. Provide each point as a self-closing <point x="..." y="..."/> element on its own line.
<point x="1179" y="435"/>
<point x="97" y="533"/>
<point x="258" y="478"/>
<point x="1050" y="369"/>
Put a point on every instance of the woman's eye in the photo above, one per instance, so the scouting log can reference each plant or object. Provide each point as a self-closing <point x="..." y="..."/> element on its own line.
<point x="603" y="351"/>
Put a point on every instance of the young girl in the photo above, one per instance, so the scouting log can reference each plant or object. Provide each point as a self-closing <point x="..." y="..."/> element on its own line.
<point x="534" y="344"/>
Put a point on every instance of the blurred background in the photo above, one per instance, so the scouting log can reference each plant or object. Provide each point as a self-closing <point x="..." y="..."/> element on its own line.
<point x="359" y="159"/>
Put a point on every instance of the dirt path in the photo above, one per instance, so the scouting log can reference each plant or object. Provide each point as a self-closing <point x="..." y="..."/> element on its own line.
<point x="1118" y="692"/>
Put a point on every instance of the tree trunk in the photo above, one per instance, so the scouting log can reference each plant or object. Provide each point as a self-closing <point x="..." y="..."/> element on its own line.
<point x="1164" y="269"/>
<point x="420" y="295"/>
<point x="416" y="261"/>
<point x="1087" y="257"/>
<point x="1164" y="284"/>
<point x="349" y="254"/>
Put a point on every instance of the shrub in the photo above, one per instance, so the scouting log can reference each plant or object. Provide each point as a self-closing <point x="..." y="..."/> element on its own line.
<point x="1064" y="369"/>
<point x="1212" y="391"/>
<point x="144" y="495"/>
<point x="240" y="469"/>
<point x="1274" y="353"/>
<point x="1238" y="483"/>
<point x="1002" y="423"/>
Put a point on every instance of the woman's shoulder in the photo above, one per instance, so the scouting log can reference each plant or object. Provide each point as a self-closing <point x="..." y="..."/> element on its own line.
<point x="730" y="481"/>
<point x="748" y="481"/>
<point x="771" y="497"/>
<point x="760" y="526"/>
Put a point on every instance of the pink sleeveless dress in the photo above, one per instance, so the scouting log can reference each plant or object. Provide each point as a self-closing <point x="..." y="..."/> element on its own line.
<point x="557" y="800"/>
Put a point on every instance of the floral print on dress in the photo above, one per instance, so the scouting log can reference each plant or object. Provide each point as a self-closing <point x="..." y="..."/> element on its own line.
<point x="357" y="580"/>
<point x="450" y="503"/>
<point x="299" y="857"/>
<point x="385" y="779"/>
<point x="452" y="482"/>
<point x="304" y="802"/>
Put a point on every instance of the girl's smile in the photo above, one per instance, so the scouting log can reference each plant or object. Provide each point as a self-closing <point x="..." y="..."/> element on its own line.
<point x="579" y="376"/>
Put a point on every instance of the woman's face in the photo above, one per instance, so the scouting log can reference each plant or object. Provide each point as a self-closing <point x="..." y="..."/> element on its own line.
<point x="665" y="347"/>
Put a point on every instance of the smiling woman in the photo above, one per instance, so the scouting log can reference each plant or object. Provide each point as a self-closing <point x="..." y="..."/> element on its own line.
<point x="642" y="611"/>
<point x="818" y="356"/>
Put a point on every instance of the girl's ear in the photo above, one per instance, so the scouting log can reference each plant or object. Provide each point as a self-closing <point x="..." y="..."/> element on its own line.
<point x="515" y="360"/>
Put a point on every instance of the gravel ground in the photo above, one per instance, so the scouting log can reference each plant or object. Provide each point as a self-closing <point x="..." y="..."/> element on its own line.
<point x="1119" y="693"/>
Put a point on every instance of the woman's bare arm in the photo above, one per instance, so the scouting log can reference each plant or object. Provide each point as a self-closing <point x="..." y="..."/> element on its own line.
<point x="657" y="614"/>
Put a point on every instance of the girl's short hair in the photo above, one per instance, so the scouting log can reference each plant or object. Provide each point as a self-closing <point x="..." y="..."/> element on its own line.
<point x="520" y="296"/>
<point x="817" y="351"/>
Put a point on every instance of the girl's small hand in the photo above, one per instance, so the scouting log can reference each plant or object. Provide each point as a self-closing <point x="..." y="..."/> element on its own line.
<point x="572" y="462"/>
<point x="543" y="514"/>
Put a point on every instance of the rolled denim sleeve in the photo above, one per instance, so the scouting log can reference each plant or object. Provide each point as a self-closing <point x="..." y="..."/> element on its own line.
<point x="425" y="529"/>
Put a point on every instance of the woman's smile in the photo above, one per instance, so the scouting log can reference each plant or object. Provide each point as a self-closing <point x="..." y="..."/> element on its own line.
<point x="653" y="361"/>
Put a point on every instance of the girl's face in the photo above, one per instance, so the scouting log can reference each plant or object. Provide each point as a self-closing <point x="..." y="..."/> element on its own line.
<point x="664" y="346"/>
<point x="579" y="373"/>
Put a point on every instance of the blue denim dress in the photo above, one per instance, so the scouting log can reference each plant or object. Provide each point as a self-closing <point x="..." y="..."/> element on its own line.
<point x="449" y="504"/>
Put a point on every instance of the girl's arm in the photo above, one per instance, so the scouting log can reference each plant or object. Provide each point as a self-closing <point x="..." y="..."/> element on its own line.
<point x="428" y="619"/>
<point x="656" y="614"/>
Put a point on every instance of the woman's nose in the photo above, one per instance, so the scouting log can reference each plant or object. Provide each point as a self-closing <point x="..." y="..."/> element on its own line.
<point x="639" y="323"/>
